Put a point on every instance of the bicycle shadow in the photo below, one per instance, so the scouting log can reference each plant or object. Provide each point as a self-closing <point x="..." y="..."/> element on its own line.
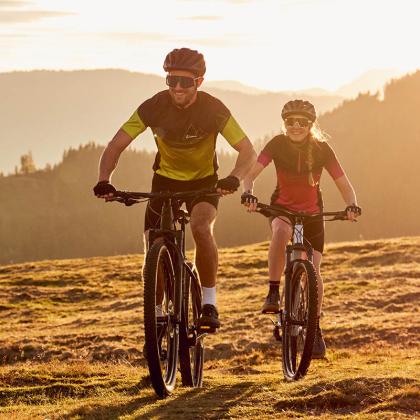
<point x="211" y="401"/>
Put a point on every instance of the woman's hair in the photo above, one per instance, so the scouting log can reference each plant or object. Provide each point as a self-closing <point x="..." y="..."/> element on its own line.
<point x="316" y="134"/>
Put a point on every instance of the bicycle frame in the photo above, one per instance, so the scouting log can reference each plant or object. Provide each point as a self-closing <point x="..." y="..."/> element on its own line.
<point x="298" y="251"/>
<point x="175" y="240"/>
<point x="294" y="252"/>
<point x="166" y="259"/>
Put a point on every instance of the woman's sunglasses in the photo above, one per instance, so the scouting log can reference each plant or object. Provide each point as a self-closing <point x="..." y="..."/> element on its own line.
<point x="291" y="121"/>
<point x="184" y="81"/>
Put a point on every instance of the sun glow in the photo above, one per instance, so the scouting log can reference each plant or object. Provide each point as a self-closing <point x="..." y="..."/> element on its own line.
<point x="270" y="44"/>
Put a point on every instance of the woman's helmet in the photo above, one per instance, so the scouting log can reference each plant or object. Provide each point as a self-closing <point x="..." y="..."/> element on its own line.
<point x="298" y="106"/>
<point x="185" y="59"/>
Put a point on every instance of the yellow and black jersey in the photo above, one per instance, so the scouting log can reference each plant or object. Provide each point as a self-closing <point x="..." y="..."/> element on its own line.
<point x="185" y="138"/>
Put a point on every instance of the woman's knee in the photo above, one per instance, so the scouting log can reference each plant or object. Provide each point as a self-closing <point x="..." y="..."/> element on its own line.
<point x="281" y="230"/>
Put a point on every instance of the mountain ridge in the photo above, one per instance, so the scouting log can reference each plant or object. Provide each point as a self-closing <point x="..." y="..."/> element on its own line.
<point x="46" y="112"/>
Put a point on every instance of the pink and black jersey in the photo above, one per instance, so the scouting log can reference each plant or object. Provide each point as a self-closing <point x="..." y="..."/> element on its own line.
<point x="293" y="189"/>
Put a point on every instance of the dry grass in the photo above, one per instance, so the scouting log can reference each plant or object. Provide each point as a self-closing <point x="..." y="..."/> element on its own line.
<point x="71" y="338"/>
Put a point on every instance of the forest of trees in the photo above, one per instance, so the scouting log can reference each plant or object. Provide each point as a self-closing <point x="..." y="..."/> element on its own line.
<point x="51" y="213"/>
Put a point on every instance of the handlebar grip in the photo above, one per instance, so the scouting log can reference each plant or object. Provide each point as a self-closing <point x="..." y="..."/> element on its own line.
<point x="129" y="201"/>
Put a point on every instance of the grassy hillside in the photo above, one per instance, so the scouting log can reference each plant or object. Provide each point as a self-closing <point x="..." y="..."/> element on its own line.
<point x="71" y="339"/>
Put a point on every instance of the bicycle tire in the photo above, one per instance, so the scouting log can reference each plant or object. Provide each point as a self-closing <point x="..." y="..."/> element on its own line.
<point x="162" y="362"/>
<point x="300" y="321"/>
<point x="191" y="348"/>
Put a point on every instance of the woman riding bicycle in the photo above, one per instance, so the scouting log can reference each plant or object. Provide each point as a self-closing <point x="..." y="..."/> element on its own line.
<point x="299" y="157"/>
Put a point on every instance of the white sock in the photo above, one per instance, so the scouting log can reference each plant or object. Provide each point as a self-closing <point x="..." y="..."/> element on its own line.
<point x="209" y="295"/>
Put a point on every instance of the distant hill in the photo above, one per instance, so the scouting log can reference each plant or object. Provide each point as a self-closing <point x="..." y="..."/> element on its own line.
<point x="378" y="143"/>
<point x="47" y="112"/>
<point x="371" y="81"/>
<point x="52" y="213"/>
<point x="235" y="86"/>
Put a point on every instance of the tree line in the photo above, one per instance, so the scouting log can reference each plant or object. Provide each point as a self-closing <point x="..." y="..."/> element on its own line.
<point x="51" y="213"/>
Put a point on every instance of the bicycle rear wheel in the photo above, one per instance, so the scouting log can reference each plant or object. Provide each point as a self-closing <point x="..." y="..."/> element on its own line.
<point x="191" y="348"/>
<point x="161" y="331"/>
<point x="299" y="327"/>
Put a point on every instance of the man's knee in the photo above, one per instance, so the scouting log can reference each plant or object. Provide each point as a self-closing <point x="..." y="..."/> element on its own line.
<point x="202" y="219"/>
<point x="201" y="228"/>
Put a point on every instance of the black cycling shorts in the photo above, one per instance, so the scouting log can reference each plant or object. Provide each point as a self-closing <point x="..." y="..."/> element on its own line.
<point x="161" y="183"/>
<point x="313" y="232"/>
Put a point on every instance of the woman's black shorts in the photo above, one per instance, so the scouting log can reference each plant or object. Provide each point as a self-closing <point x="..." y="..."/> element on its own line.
<point x="313" y="232"/>
<point x="161" y="183"/>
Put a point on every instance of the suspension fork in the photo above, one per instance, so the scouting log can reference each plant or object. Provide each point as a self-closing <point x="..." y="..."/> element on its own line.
<point x="287" y="281"/>
<point x="176" y="245"/>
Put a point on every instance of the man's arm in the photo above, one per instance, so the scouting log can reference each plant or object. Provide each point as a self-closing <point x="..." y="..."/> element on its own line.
<point x="251" y="175"/>
<point x="246" y="158"/>
<point x="111" y="154"/>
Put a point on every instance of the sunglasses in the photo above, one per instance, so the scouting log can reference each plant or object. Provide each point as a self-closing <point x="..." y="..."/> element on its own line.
<point x="184" y="81"/>
<point x="291" y="121"/>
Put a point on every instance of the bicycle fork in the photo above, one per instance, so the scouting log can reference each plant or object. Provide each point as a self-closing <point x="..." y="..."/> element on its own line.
<point x="278" y="320"/>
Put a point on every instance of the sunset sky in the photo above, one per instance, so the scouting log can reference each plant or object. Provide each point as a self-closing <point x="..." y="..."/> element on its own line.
<point x="270" y="44"/>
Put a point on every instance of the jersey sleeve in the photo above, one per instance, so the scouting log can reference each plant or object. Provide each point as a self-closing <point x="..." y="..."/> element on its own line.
<point x="232" y="131"/>
<point x="266" y="155"/>
<point x="332" y="165"/>
<point x="134" y="126"/>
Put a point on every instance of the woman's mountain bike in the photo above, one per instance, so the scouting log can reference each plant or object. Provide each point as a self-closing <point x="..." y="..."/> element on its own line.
<point x="172" y="296"/>
<point x="297" y="320"/>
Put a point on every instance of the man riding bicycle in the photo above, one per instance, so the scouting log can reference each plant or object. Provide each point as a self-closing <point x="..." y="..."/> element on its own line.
<point x="185" y="123"/>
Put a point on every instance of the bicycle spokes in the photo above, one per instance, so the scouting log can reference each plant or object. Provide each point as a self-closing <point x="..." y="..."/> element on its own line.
<point x="161" y="329"/>
<point x="300" y="321"/>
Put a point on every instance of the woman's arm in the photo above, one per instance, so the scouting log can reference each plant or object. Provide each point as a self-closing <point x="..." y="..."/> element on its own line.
<point x="348" y="194"/>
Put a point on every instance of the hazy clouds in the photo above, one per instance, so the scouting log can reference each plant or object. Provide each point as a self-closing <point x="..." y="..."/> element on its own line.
<point x="200" y="18"/>
<point x="26" y="16"/>
<point x="220" y="40"/>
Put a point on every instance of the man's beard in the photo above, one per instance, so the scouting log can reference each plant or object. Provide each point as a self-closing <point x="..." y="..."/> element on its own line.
<point x="184" y="100"/>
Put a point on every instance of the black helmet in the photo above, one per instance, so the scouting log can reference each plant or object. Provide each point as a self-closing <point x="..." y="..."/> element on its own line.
<point x="299" y="107"/>
<point x="185" y="59"/>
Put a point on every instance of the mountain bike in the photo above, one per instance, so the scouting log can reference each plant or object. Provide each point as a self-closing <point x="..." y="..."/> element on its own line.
<point x="296" y="323"/>
<point x="172" y="296"/>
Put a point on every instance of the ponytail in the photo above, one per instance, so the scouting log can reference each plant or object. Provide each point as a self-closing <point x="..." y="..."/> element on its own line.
<point x="316" y="135"/>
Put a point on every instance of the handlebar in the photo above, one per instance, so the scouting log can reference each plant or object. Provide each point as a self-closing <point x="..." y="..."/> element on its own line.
<point x="270" y="211"/>
<point x="133" y="197"/>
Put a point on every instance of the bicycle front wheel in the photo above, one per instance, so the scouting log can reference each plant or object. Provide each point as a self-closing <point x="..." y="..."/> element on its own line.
<point x="300" y="321"/>
<point x="191" y="347"/>
<point x="161" y="332"/>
